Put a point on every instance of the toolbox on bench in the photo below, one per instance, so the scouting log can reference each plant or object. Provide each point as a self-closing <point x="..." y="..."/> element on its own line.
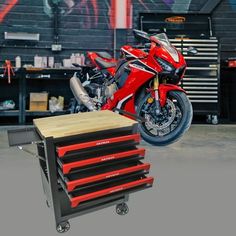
<point x="88" y="161"/>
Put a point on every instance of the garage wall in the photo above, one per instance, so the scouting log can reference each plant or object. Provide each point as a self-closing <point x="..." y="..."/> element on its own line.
<point x="224" y="25"/>
<point x="223" y="19"/>
<point x="24" y="16"/>
<point x="86" y="24"/>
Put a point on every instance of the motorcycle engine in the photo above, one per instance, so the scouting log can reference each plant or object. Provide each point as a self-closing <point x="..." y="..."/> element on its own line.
<point x="110" y="90"/>
<point x="93" y="93"/>
<point x="93" y="90"/>
<point x="100" y="93"/>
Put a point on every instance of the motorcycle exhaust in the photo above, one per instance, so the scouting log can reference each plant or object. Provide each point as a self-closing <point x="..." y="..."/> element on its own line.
<point x="80" y="93"/>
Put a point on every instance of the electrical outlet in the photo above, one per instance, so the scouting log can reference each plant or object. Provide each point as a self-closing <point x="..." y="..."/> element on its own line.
<point x="56" y="47"/>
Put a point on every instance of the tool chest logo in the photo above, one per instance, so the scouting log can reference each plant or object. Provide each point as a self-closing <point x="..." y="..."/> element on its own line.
<point x="102" y="143"/>
<point x="113" y="175"/>
<point x="108" y="158"/>
<point x="176" y="19"/>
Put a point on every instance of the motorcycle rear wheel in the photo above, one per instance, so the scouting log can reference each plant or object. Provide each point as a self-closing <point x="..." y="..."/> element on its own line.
<point x="175" y="120"/>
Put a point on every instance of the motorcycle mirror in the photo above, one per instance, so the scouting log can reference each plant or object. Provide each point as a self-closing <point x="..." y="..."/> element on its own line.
<point x="192" y="51"/>
<point x="141" y="36"/>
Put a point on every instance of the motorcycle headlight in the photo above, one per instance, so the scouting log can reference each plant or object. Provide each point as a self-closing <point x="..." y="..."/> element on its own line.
<point x="164" y="64"/>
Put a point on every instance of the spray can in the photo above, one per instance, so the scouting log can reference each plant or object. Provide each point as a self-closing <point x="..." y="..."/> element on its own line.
<point x="18" y="62"/>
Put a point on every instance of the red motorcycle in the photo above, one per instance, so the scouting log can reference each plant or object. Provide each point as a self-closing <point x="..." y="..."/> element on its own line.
<point x="142" y="85"/>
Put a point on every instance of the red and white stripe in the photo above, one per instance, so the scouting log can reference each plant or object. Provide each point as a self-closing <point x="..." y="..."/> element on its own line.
<point x="121" y="14"/>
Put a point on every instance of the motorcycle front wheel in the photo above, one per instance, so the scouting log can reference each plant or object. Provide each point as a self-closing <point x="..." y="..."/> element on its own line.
<point x="170" y="124"/>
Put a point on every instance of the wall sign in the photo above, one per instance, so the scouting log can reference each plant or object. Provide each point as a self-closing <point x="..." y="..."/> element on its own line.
<point x="175" y="19"/>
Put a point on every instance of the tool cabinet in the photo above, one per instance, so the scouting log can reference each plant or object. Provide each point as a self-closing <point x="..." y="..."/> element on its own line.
<point x="87" y="161"/>
<point x="202" y="77"/>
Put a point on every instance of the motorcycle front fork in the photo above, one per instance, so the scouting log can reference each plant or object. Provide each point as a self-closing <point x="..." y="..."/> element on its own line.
<point x="156" y="93"/>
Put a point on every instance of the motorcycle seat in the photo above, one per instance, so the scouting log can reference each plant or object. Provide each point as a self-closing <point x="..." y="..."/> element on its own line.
<point x="104" y="55"/>
<point x="104" y="64"/>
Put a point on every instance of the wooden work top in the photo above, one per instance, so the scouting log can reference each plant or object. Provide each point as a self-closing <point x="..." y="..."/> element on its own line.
<point x="80" y="123"/>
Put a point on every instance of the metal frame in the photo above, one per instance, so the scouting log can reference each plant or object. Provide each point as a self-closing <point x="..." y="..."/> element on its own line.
<point x="52" y="189"/>
<point x="22" y="97"/>
<point x="61" y="200"/>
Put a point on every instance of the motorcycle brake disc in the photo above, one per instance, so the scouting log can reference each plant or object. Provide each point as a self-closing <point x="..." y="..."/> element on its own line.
<point x="172" y="111"/>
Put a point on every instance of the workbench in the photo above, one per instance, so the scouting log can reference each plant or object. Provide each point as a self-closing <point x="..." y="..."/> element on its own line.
<point x="88" y="161"/>
<point x="26" y="80"/>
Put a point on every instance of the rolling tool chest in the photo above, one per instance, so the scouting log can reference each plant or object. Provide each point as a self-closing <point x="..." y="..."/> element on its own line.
<point x="88" y="161"/>
<point x="202" y="77"/>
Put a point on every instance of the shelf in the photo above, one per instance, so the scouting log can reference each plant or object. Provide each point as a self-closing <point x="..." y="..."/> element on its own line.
<point x="9" y="113"/>
<point x="45" y="113"/>
<point x="34" y="69"/>
<point x="5" y="79"/>
<point x="58" y="78"/>
<point x="30" y="79"/>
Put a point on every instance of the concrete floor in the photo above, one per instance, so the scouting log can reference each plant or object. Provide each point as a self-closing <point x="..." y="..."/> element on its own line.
<point x="194" y="192"/>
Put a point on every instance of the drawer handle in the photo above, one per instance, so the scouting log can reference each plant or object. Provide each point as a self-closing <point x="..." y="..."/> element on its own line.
<point x="66" y="168"/>
<point x="61" y="151"/>
<point x="77" y="200"/>
<point x="73" y="184"/>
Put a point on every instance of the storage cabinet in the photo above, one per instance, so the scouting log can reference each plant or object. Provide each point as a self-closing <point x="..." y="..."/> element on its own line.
<point x="202" y="77"/>
<point x="88" y="161"/>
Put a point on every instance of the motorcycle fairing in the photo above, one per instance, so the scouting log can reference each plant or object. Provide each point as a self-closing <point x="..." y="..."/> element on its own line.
<point x="133" y="52"/>
<point x="144" y="67"/>
<point x="122" y="74"/>
<point x="136" y="78"/>
<point x="125" y="97"/>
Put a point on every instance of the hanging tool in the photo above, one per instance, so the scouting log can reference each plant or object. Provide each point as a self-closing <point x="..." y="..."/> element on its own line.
<point x="8" y="70"/>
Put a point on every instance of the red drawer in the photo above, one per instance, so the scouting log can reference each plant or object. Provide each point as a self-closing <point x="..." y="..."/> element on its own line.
<point x="71" y="185"/>
<point x="75" y="201"/>
<point x="66" y="168"/>
<point x="62" y="151"/>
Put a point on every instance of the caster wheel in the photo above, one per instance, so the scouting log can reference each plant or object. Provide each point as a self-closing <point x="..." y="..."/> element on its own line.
<point x="47" y="203"/>
<point x="208" y="119"/>
<point x="63" y="227"/>
<point x="122" y="209"/>
<point x="214" y="120"/>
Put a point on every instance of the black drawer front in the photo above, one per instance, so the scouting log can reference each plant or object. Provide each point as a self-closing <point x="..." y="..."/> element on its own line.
<point x="101" y="174"/>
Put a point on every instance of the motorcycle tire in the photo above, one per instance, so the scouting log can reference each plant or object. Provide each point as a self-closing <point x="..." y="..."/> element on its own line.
<point x="184" y="124"/>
